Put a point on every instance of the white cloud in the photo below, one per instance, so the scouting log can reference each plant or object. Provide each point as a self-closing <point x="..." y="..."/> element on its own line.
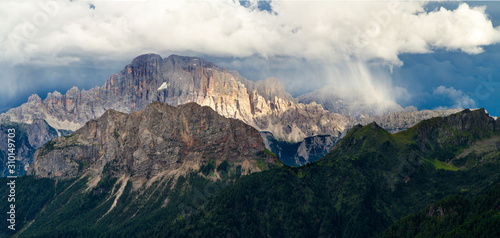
<point x="61" y="31"/>
<point x="459" y="99"/>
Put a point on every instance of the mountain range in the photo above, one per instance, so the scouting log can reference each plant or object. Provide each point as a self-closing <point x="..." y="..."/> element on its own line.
<point x="123" y="168"/>
<point x="297" y="132"/>
<point x="158" y="141"/>
<point x="369" y="180"/>
<point x="110" y="173"/>
<point x="191" y="149"/>
<point x="178" y="80"/>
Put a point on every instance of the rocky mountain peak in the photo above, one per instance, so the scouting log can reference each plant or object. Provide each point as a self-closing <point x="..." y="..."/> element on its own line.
<point x="178" y="80"/>
<point x="34" y="98"/>
<point x="356" y="127"/>
<point x="55" y="94"/>
<point x="161" y="139"/>
<point x="144" y="59"/>
<point x="73" y="91"/>
<point x="375" y="126"/>
<point x="361" y="137"/>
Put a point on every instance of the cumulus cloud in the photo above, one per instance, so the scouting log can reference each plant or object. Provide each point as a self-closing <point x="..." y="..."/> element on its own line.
<point x="61" y="31"/>
<point x="459" y="99"/>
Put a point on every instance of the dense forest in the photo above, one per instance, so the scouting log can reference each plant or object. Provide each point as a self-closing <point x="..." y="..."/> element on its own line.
<point x="454" y="216"/>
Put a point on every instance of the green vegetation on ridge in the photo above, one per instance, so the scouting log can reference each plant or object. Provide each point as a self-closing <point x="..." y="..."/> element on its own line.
<point x="454" y="216"/>
<point x="370" y="180"/>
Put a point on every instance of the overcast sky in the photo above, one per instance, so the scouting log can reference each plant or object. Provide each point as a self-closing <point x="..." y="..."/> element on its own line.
<point x="432" y="55"/>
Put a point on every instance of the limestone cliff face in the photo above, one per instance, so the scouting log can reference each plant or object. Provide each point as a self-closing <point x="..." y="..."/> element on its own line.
<point x="296" y="154"/>
<point x="314" y="148"/>
<point x="160" y="139"/>
<point x="178" y="80"/>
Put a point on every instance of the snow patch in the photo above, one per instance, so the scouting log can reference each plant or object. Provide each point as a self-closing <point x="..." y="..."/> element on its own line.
<point x="58" y="124"/>
<point x="163" y="86"/>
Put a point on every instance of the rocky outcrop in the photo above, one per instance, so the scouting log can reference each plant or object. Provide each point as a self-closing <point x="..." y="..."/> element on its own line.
<point x="159" y="139"/>
<point x="314" y="148"/>
<point x="300" y="153"/>
<point x="177" y="80"/>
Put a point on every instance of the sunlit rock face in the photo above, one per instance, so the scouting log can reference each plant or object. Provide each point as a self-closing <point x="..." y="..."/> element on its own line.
<point x="177" y="80"/>
<point x="160" y="139"/>
<point x="264" y="105"/>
